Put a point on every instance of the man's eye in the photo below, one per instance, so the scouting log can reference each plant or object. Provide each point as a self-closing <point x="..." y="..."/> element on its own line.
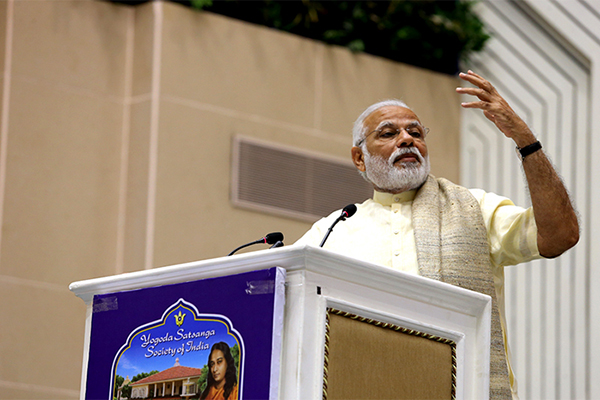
<point x="387" y="134"/>
<point x="415" y="133"/>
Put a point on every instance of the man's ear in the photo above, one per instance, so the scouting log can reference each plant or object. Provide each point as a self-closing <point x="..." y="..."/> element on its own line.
<point x="358" y="158"/>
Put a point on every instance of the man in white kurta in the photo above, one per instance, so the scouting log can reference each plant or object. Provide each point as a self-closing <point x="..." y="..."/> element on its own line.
<point x="389" y="150"/>
<point x="381" y="232"/>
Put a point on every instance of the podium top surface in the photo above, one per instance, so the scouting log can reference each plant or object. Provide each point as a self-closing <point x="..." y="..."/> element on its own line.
<point x="291" y="258"/>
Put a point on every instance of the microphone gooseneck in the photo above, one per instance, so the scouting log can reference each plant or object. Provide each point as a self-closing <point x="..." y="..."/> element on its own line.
<point x="270" y="238"/>
<point x="278" y="243"/>
<point x="347" y="212"/>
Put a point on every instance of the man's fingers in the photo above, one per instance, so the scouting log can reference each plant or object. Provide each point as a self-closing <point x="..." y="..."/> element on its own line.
<point x="471" y="77"/>
<point x="484" y="105"/>
<point x="476" y="80"/>
<point x="474" y="74"/>
<point x="480" y="93"/>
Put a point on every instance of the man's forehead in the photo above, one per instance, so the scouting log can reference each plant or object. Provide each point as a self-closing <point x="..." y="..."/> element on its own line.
<point x="389" y="113"/>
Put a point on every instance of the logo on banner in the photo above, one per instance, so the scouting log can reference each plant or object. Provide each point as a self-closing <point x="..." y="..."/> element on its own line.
<point x="184" y="354"/>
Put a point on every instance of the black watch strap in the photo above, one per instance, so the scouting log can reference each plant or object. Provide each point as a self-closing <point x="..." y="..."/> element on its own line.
<point x="529" y="149"/>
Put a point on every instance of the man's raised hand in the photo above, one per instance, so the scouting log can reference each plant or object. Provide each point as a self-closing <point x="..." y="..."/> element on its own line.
<point x="496" y="109"/>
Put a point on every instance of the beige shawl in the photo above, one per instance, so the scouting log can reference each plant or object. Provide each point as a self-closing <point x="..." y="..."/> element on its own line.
<point x="452" y="247"/>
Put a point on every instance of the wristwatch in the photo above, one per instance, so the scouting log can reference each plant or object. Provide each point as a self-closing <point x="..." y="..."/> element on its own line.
<point x="529" y="149"/>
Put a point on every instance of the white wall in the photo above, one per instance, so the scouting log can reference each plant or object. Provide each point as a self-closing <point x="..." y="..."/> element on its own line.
<point x="544" y="59"/>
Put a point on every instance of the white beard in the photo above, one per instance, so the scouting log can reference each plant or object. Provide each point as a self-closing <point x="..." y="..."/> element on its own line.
<point x="386" y="176"/>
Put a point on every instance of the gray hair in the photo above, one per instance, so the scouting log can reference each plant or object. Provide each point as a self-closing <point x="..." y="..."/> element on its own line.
<point x="359" y="129"/>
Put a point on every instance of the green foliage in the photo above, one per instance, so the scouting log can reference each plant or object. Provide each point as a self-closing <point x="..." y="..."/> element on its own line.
<point x="203" y="379"/>
<point x="235" y="353"/>
<point x="426" y="33"/>
<point x="126" y="392"/>
<point x="433" y="34"/>
<point x="200" y="4"/>
<point x="118" y="382"/>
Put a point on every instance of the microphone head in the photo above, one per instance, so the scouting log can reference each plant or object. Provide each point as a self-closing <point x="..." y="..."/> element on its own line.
<point x="273" y="237"/>
<point x="349" y="210"/>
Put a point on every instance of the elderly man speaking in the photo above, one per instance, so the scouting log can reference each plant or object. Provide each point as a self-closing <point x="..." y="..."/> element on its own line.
<point x="431" y="227"/>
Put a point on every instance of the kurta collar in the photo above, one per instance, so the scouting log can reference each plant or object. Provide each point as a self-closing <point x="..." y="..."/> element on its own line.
<point x="387" y="199"/>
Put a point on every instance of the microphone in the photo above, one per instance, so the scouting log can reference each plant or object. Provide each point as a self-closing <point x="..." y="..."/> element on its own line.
<point x="347" y="212"/>
<point x="270" y="238"/>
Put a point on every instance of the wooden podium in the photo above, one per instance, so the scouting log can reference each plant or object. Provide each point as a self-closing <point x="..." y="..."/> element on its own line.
<point x="349" y="329"/>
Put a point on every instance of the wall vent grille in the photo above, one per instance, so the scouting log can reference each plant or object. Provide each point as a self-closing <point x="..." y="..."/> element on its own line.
<point x="290" y="182"/>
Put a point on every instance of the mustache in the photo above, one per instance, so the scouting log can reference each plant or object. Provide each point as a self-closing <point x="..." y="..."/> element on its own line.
<point x="403" y="151"/>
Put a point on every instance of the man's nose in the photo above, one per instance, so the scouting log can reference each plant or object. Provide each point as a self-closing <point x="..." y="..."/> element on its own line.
<point x="404" y="139"/>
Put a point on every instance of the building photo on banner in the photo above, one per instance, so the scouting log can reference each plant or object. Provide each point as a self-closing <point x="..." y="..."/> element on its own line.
<point x="137" y="137"/>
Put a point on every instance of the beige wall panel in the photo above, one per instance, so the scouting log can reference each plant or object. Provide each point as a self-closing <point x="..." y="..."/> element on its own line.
<point x="143" y="49"/>
<point x="439" y="109"/>
<point x="430" y="94"/>
<point x="324" y="143"/>
<point x="1" y="101"/>
<point x="3" y="23"/>
<point x="61" y="185"/>
<point x="351" y="82"/>
<point x="137" y="187"/>
<point x="235" y="65"/>
<point x="76" y="43"/>
<point x="194" y="216"/>
<point x="14" y="391"/>
<point x="42" y="338"/>
<point x="345" y="75"/>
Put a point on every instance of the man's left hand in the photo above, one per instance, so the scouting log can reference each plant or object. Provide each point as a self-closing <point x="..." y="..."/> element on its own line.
<point x="496" y="109"/>
<point x="555" y="218"/>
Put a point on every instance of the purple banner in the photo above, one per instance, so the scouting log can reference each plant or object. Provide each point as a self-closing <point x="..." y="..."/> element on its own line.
<point x="209" y="339"/>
